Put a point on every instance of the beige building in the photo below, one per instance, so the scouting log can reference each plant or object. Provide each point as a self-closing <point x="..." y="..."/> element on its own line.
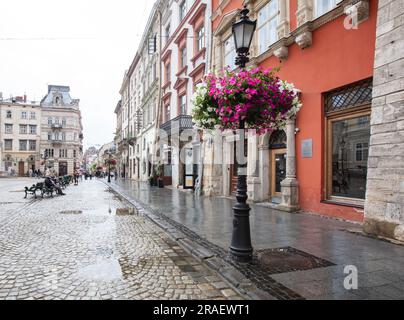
<point x="61" y="131"/>
<point x="20" y="136"/>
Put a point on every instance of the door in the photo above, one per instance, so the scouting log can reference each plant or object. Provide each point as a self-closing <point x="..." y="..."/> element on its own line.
<point x="278" y="173"/>
<point x="21" y="172"/>
<point x="62" y="169"/>
<point x="189" y="170"/>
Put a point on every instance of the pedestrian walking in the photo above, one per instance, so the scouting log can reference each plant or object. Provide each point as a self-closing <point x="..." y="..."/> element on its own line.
<point x="76" y="178"/>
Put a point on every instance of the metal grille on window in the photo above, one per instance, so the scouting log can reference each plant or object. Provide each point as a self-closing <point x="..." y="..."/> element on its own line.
<point x="355" y="95"/>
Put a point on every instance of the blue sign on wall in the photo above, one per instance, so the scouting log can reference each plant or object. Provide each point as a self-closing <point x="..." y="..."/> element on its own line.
<point x="307" y="148"/>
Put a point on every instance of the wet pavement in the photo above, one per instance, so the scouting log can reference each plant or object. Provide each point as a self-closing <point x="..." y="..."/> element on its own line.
<point x="90" y="245"/>
<point x="379" y="263"/>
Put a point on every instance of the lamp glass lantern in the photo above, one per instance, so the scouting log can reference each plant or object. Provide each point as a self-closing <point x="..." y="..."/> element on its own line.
<point x="243" y="32"/>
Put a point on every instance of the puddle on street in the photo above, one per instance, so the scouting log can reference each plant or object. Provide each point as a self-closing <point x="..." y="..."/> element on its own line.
<point x="103" y="270"/>
<point x="102" y="212"/>
<point x="71" y="212"/>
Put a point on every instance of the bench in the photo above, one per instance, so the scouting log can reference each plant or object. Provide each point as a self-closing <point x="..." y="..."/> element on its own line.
<point x="32" y="190"/>
<point x="46" y="190"/>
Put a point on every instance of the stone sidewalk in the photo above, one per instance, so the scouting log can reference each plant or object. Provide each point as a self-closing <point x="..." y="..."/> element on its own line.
<point x="87" y="245"/>
<point x="208" y="221"/>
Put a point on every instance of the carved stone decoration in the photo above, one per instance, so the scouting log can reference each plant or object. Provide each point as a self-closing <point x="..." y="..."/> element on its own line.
<point x="304" y="39"/>
<point x="304" y="12"/>
<point x="359" y="11"/>
<point x="283" y="29"/>
<point x="282" y="53"/>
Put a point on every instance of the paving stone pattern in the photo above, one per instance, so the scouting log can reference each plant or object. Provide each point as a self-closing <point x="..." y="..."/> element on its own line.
<point x="76" y="247"/>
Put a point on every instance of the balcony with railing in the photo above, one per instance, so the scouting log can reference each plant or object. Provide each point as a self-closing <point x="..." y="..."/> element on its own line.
<point x="178" y="124"/>
<point x="56" y="126"/>
<point x="57" y="142"/>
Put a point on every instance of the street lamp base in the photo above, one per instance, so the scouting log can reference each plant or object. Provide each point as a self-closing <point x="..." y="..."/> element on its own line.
<point x="240" y="255"/>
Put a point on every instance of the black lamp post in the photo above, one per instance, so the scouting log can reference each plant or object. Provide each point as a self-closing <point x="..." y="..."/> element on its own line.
<point x="241" y="249"/>
<point x="109" y="166"/>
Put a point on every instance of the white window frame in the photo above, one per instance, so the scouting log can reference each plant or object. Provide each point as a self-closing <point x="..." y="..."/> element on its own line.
<point x="22" y="143"/>
<point x="183" y="104"/>
<point x="183" y="56"/>
<point x="182" y="10"/>
<point x="229" y="53"/>
<point x="23" y="129"/>
<point x="8" y="144"/>
<point x="200" y="38"/>
<point x="8" y="128"/>
<point x="316" y="14"/>
<point x="266" y="23"/>
<point x="24" y="115"/>
<point x="33" y="129"/>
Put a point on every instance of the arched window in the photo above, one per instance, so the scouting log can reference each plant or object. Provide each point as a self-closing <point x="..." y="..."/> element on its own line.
<point x="8" y="115"/>
<point x="278" y="140"/>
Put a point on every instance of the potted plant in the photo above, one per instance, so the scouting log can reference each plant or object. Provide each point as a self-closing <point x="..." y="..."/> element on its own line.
<point x="153" y="179"/>
<point x="160" y="175"/>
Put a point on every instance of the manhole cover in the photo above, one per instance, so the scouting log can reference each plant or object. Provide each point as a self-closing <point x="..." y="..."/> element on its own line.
<point x="288" y="259"/>
<point x="71" y="212"/>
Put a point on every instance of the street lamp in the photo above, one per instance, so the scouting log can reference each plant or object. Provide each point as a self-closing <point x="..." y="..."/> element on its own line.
<point x="241" y="249"/>
<point x="243" y="31"/>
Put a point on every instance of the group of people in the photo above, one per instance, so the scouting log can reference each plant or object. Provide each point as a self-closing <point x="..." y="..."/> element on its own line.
<point x="52" y="182"/>
<point x="34" y="173"/>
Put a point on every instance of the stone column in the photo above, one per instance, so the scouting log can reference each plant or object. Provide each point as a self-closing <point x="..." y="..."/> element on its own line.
<point x="290" y="186"/>
<point x="384" y="207"/>
<point x="253" y="179"/>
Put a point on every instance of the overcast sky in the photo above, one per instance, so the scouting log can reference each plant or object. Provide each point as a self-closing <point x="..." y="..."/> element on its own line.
<point x="85" y="44"/>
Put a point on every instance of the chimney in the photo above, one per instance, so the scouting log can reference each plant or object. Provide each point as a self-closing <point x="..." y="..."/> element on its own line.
<point x="25" y="98"/>
<point x="1" y="96"/>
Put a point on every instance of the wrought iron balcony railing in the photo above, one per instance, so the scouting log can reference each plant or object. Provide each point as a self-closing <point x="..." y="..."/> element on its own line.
<point x="179" y="123"/>
<point x="56" y="126"/>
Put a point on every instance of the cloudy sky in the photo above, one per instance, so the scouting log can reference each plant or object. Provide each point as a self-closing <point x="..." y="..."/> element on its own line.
<point x="85" y="44"/>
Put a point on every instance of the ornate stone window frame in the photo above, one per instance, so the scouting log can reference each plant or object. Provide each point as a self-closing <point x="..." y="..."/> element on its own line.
<point x="356" y="111"/>
<point x="283" y="27"/>
<point x="302" y="35"/>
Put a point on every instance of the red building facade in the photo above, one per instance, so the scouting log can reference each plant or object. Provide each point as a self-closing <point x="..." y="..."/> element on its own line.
<point x="327" y="49"/>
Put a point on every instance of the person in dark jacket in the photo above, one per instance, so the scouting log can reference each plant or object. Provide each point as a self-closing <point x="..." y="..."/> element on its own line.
<point x="52" y="183"/>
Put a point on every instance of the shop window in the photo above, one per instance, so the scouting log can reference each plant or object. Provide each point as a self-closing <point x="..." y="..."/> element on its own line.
<point x="348" y="135"/>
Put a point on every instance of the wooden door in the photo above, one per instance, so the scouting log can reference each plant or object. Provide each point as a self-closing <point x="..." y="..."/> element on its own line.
<point x="21" y="172"/>
<point x="62" y="169"/>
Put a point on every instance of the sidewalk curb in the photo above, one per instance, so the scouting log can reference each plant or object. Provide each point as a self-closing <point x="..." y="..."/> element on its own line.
<point x="229" y="273"/>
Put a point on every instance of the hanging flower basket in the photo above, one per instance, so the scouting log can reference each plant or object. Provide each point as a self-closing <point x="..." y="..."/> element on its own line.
<point x="255" y="96"/>
<point x="111" y="162"/>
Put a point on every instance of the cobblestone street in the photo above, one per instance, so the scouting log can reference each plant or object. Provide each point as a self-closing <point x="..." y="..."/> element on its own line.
<point x="81" y="247"/>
